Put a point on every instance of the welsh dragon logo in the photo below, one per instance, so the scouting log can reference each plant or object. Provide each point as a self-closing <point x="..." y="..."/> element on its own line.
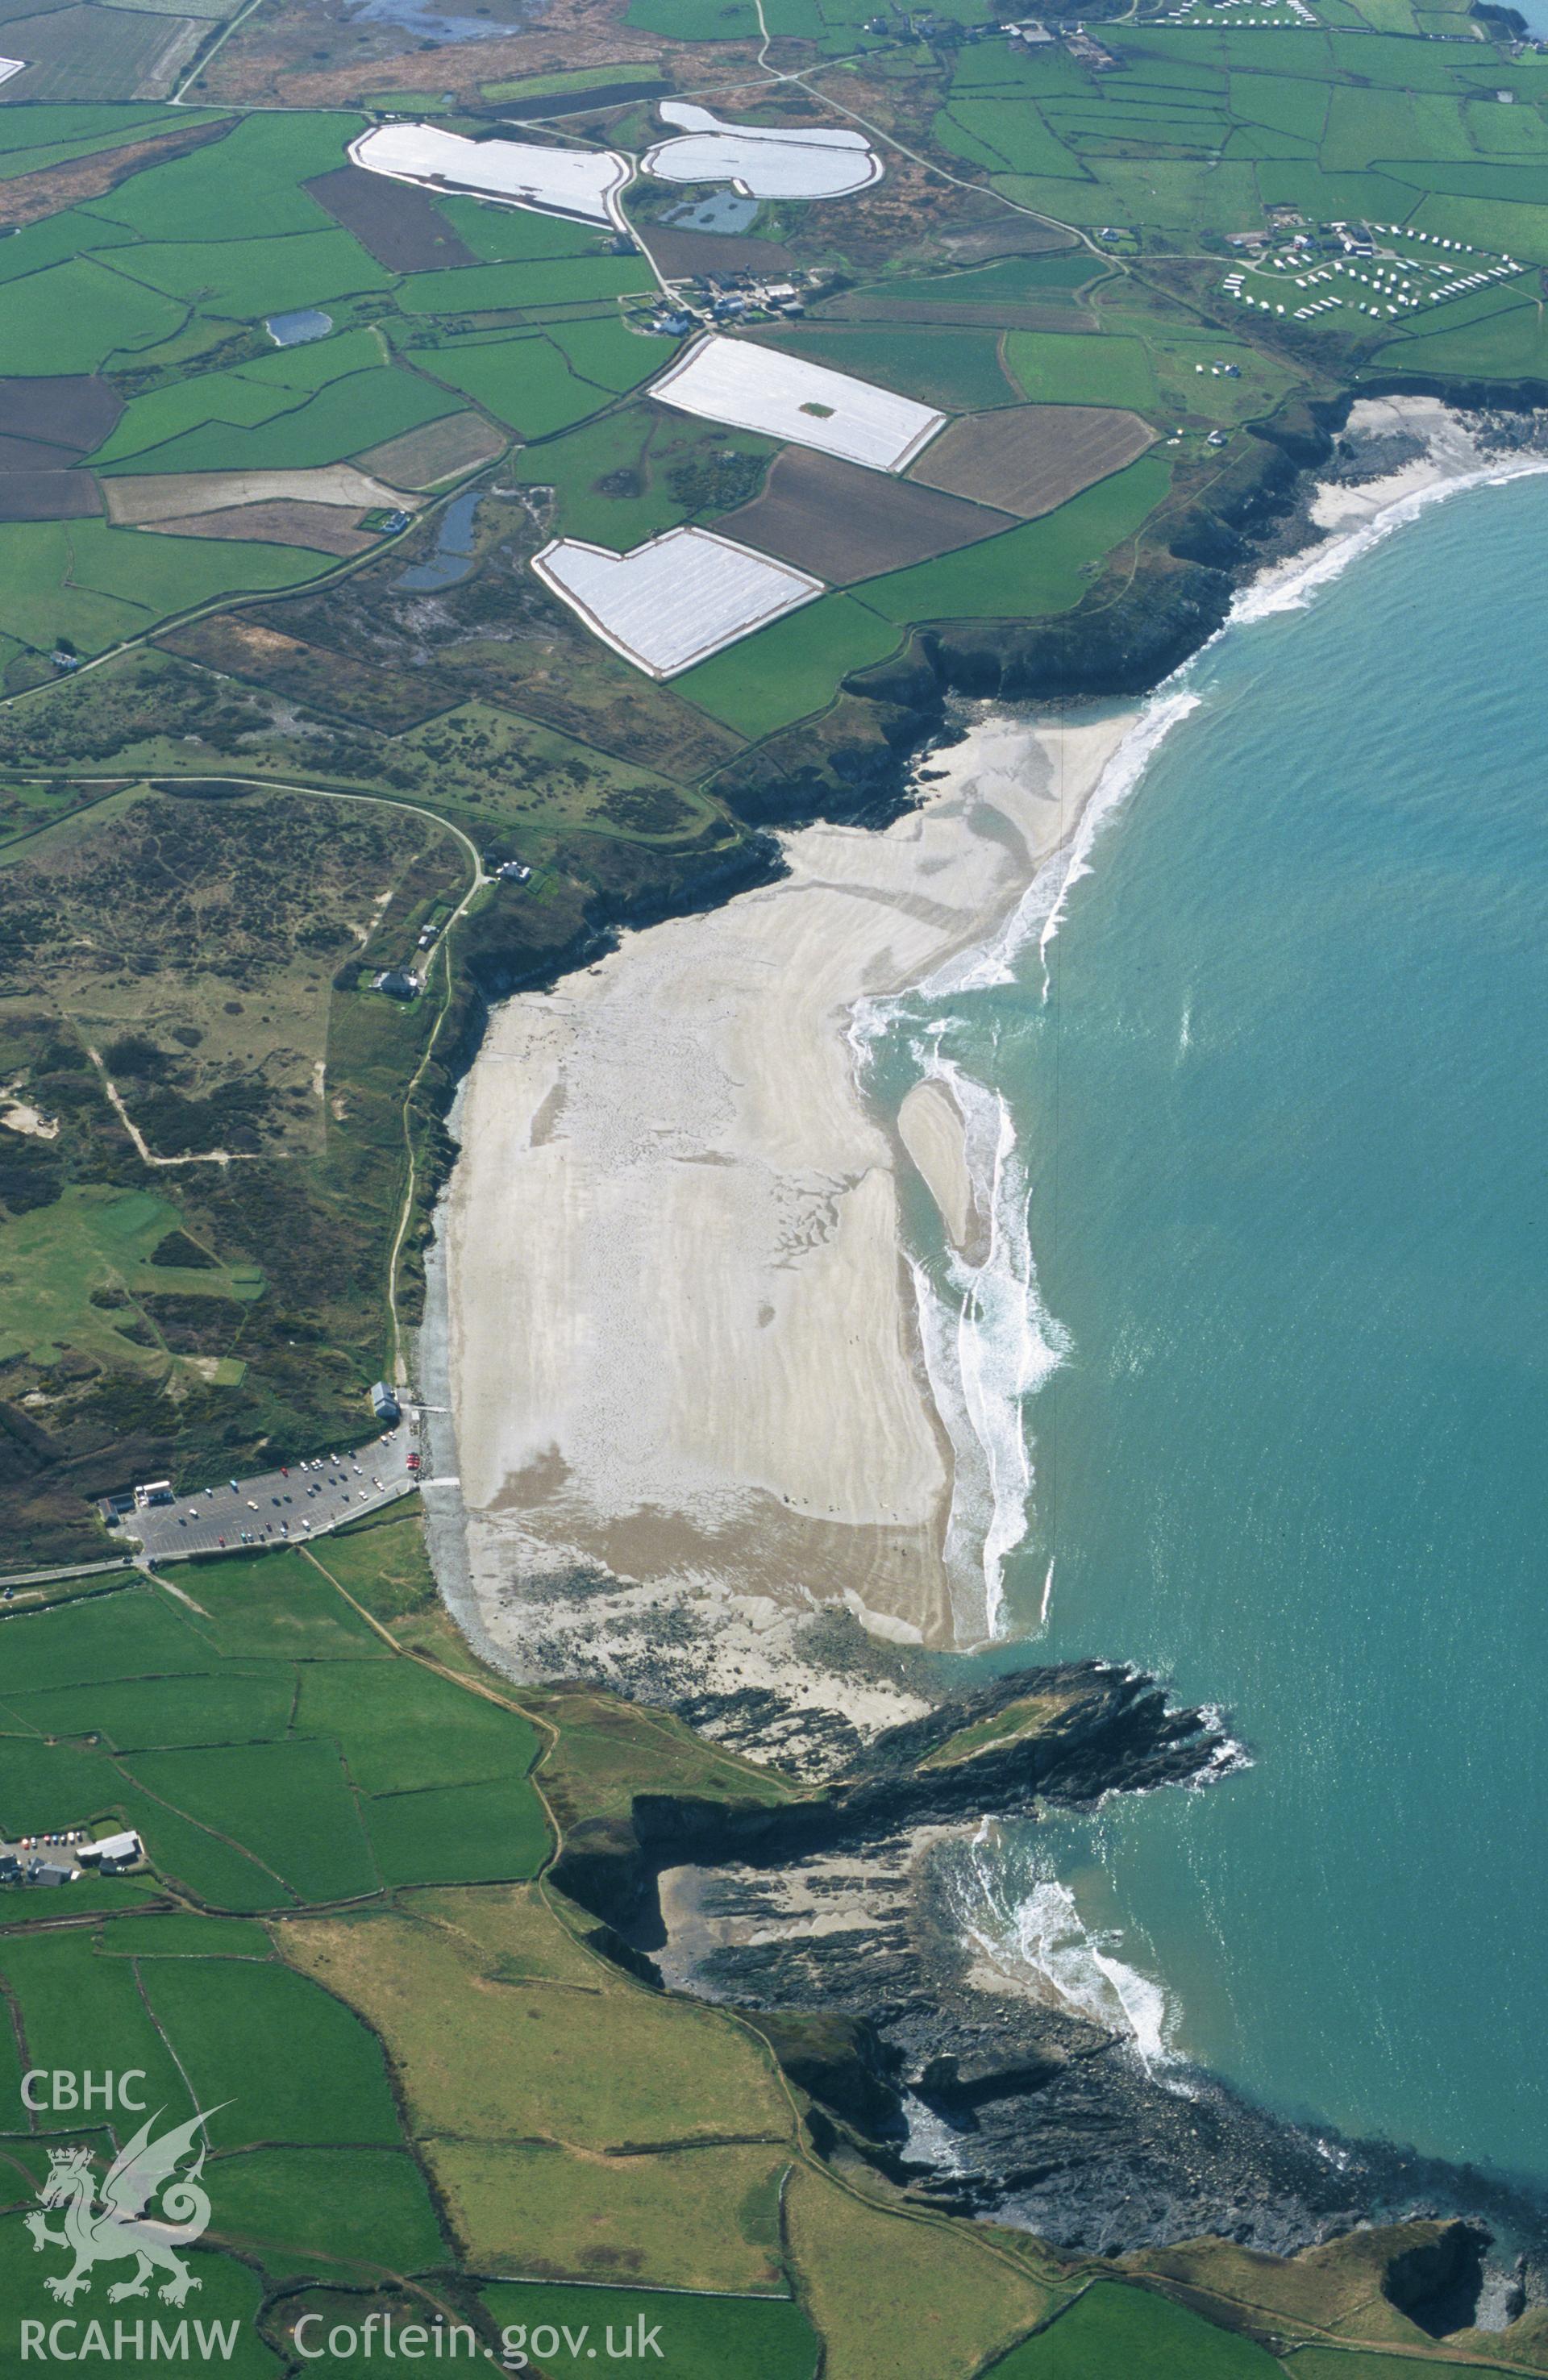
<point x="120" y="2226"/>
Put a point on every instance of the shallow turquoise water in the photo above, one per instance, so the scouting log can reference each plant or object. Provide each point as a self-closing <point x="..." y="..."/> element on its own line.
<point x="1284" y="1114"/>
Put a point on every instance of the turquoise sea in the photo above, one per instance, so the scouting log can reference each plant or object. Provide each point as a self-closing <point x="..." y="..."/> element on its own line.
<point x="1270" y="1098"/>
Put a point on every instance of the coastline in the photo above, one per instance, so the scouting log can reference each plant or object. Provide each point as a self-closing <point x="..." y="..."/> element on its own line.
<point x="758" y="1434"/>
<point x="668" y="1467"/>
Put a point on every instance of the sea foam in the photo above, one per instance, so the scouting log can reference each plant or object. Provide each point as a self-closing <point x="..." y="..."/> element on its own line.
<point x="1041" y="1935"/>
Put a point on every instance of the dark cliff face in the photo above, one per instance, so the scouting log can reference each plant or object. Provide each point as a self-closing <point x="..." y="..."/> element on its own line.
<point x="1091" y="1730"/>
<point x="835" y="1921"/>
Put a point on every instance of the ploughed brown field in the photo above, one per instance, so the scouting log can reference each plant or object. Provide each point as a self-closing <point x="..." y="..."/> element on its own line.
<point x="438" y="450"/>
<point x="46" y="426"/>
<point x="845" y="523"/>
<point x="400" y="226"/>
<point x="682" y="255"/>
<point x="323" y="527"/>
<point x="73" y="410"/>
<point x="1031" y="458"/>
<point x="48" y="496"/>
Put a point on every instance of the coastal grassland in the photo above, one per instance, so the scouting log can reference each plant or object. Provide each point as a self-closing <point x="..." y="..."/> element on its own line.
<point x="699" y="2218"/>
<point x="1044" y="567"/>
<point x="381" y="1562"/>
<point x="607" y="1751"/>
<point x="895" y="2299"/>
<point x="173" y="1935"/>
<point x="489" y="2054"/>
<point x="793" y="669"/>
<point x="702" y="2338"/>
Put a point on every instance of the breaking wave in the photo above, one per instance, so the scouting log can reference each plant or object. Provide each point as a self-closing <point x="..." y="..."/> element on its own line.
<point x="1039" y="1936"/>
<point x="990" y="1344"/>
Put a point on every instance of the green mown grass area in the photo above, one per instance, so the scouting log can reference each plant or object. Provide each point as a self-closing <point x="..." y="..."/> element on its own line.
<point x="288" y="1804"/>
<point x="1113" y="2333"/>
<point x="401" y="1729"/>
<point x="226" y="2303"/>
<point x="65" y="1998"/>
<point x="260" y="1802"/>
<point x="1042" y="567"/>
<point x="1014" y="281"/>
<point x="368" y="2205"/>
<point x="244" y="397"/>
<point x="246" y="278"/>
<point x="249" y="181"/>
<point x="458" y="1834"/>
<point x="75" y="315"/>
<point x="1071" y="367"/>
<point x="1511" y="344"/>
<point x="29" y="136"/>
<point x="153" y="1714"/>
<point x="698" y="2338"/>
<point x="171" y="1935"/>
<point x="343" y="418"/>
<point x="309" y="2072"/>
<point x="492" y="288"/>
<point x="96" y="586"/>
<point x="792" y="669"/>
<point x="511" y="236"/>
<point x="601" y="350"/>
<point x="958" y="371"/>
<point x="523" y="381"/>
<point x="695" y="21"/>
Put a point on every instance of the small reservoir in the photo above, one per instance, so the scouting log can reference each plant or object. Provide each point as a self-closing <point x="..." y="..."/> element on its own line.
<point x="295" y="330"/>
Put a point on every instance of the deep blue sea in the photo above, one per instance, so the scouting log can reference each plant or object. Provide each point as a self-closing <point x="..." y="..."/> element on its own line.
<point x="1278" y="1084"/>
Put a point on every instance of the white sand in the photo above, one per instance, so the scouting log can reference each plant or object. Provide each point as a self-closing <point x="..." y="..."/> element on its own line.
<point x="931" y="1126"/>
<point x="682" y="1338"/>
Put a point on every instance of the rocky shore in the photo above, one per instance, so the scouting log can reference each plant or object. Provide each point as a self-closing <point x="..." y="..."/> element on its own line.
<point x="835" y="1921"/>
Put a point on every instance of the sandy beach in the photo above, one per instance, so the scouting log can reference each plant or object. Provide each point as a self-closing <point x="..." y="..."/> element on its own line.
<point x="689" y="1399"/>
<point x="683" y="1338"/>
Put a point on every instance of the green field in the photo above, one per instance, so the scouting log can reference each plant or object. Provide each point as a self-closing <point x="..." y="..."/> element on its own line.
<point x="791" y="669"/>
<point x="700" y="2338"/>
<point x="1116" y="2333"/>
